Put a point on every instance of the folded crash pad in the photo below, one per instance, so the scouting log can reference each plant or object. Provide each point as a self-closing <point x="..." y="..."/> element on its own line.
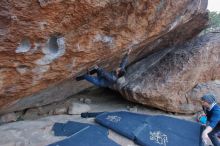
<point x="81" y="134"/>
<point x="149" y="130"/>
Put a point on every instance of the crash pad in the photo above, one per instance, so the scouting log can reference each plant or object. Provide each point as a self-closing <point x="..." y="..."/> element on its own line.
<point x="72" y="127"/>
<point x="81" y="134"/>
<point x="149" y="130"/>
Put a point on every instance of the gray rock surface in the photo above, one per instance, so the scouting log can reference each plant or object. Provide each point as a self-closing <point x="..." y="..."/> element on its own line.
<point x="165" y="79"/>
<point x="206" y="87"/>
<point x="9" y="117"/>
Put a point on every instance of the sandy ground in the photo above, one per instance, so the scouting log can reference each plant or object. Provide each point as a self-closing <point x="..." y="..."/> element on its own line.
<point x="34" y="129"/>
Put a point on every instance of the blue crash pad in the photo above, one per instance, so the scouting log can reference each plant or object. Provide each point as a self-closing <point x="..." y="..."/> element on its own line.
<point x="81" y="134"/>
<point x="153" y="130"/>
<point x="71" y="127"/>
<point x="124" y="123"/>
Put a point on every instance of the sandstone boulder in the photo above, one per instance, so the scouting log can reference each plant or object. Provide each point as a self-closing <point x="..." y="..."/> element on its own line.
<point x="170" y="79"/>
<point x="45" y="43"/>
<point x="205" y="87"/>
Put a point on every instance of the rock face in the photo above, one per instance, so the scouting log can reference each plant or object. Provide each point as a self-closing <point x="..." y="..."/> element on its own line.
<point x="205" y="87"/>
<point x="46" y="42"/>
<point x="174" y="79"/>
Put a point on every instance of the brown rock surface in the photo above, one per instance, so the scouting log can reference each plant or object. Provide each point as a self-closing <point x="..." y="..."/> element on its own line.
<point x="46" y="42"/>
<point x="205" y="87"/>
<point x="172" y="79"/>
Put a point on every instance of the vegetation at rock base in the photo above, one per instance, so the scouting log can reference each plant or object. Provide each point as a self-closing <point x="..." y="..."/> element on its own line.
<point x="215" y="19"/>
<point x="214" y="23"/>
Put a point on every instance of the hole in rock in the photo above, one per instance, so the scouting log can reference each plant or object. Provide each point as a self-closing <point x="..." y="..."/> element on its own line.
<point x="53" y="45"/>
<point x="24" y="46"/>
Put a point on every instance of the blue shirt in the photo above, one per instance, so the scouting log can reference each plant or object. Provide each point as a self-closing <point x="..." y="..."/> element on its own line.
<point x="213" y="116"/>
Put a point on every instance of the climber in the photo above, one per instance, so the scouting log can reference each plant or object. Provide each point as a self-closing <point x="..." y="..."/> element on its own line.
<point x="104" y="78"/>
<point x="212" y="111"/>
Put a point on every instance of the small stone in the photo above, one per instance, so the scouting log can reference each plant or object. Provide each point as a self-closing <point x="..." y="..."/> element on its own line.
<point x="51" y="112"/>
<point x="81" y="99"/>
<point x="133" y="109"/>
<point x="88" y="101"/>
<point x="20" y="143"/>
<point x="60" y="111"/>
<point x="128" y="107"/>
<point x="78" y="108"/>
<point x="31" y="114"/>
<point x="10" y="117"/>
